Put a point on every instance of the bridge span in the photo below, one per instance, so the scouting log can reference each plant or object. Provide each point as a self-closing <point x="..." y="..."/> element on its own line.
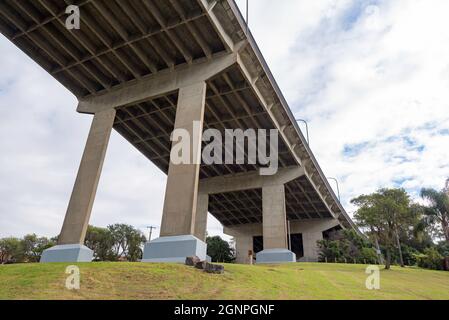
<point x="147" y="67"/>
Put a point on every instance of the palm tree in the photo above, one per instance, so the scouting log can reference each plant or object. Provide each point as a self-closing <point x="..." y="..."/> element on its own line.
<point x="438" y="210"/>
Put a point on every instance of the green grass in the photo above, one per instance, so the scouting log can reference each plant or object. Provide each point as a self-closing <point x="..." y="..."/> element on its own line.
<point x="171" y="281"/>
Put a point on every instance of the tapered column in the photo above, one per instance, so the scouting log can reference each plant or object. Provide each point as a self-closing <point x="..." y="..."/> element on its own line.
<point x="310" y="245"/>
<point x="201" y="216"/>
<point x="274" y="227"/>
<point x="243" y="244"/>
<point x="180" y="236"/>
<point x="274" y="217"/>
<point x="70" y="242"/>
<point x="182" y="184"/>
<point x="83" y="195"/>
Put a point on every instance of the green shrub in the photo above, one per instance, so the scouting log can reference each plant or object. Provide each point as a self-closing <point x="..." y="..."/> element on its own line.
<point x="346" y="246"/>
<point x="443" y="248"/>
<point x="431" y="259"/>
<point x="368" y="255"/>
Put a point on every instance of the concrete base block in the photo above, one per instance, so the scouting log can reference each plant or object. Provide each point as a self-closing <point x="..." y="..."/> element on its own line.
<point x="174" y="249"/>
<point x="275" y="256"/>
<point x="309" y="259"/>
<point x="67" y="253"/>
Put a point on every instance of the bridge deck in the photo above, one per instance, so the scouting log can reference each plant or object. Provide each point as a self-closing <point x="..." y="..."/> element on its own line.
<point x="124" y="41"/>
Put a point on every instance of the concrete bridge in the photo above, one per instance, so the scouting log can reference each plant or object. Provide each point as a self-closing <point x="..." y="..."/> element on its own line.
<point x="145" y="68"/>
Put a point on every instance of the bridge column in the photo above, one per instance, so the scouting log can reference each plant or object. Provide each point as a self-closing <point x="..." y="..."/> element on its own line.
<point x="274" y="227"/>
<point x="70" y="246"/>
<point x="201" y="216"/>
<point x="309" y="241"/>
<point x="178" y="239"/>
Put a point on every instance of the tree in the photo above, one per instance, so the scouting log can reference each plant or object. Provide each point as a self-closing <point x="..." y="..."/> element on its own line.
<point x="100" y="241"/>
<point x="33" y="246"/>
<point x="385" y="214"/>
<point x="219" y="250"/>
<point x="437" y="212"/>
<point x="11" y="250"/>
<point x="127" y="242"/>
<point x="346" y="246"/>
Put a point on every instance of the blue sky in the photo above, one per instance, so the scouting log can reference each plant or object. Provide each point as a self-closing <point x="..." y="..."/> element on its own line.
<point x="371" y="77"/>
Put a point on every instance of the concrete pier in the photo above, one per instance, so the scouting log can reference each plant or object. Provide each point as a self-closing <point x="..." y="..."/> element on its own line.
<point x="83" y="195"/>
<point x="181" y="195"/>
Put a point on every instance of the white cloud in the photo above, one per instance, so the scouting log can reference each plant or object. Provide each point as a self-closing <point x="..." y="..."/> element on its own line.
<point x="370" y="76"/>
<point x="365" y="72"/>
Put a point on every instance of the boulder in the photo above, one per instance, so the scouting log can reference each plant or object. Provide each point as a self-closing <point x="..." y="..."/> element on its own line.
<point x="192" y="261"/>
<point x="214" y="268"/>
<point x="201" y="265"/>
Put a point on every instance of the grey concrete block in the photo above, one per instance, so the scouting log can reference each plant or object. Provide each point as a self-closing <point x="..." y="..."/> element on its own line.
<point x="275" y="256"/>
<point x="67" y="253"/>
<point x="174" y="249"/>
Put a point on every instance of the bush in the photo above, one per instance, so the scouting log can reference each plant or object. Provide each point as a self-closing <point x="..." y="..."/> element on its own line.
<point x="347" y="246"/>
<point x="443" y="248"/>
<point x="219" y="250"/>
<point x="431" y="259"/>
<point x="408" y="254"/>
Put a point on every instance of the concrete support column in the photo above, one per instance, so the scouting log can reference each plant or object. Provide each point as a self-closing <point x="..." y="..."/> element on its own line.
<point x="309" y="240"/>
<point x="274" y="227"/>
<point x="274" y="217"/>
<point x="70" y="243"/>
<point x="202" y="208"/>
<point x="178" y="225"/>
<point x="182" y="185"/>
<point x="243" y="243"/>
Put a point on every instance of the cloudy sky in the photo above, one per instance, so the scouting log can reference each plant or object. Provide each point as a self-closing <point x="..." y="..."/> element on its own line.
<point x="370" y="77"/>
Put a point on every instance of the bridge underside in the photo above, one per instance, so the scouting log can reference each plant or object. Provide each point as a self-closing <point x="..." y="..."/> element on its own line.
<point x="118" y="42"/>
<point x="148" y="124"/>
<point x="147" y="67"/>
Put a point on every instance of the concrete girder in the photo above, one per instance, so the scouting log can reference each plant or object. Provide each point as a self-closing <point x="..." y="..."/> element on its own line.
<point x="158" y="84"/>
<point x="267" y="106"/>
<point x="248" y="181"/>
<point x="211" y="15"/>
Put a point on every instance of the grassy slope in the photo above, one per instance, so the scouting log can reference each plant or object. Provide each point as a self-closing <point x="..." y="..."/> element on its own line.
<point x="156" y="281"/>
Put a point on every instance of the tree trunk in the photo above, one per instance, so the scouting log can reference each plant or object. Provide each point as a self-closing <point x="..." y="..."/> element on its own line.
<point x="445" y="225"/>
<point x="388" y="259"/>
<point x="401" y="259"/>
<point x="379" y="253"/>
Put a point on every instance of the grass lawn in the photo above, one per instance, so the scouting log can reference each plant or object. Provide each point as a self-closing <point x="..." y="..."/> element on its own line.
<point x="171" y="281"/>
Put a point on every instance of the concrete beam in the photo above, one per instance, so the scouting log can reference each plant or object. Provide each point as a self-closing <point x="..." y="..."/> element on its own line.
<point x="320" y="194"/>
<point x="157" y="84"/>
<point x="249" y="180"/>
<point x="83" y="195"/>
<point x="210" y="8"/>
